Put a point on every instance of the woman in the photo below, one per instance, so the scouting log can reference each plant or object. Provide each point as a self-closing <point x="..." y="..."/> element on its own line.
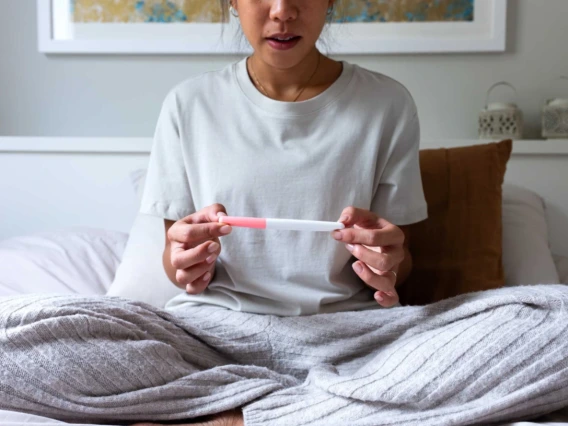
<point x="286" y="132"/>
<point x="281" y="327"/>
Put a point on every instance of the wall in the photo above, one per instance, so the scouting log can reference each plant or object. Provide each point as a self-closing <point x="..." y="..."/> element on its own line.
<point x="82" y="95"/>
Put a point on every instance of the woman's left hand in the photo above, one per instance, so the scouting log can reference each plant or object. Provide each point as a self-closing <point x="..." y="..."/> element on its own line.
<point x="379" y="246"/>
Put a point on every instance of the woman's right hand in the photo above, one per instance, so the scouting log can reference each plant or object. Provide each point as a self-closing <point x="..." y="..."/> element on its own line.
<point x="192" y="247"/>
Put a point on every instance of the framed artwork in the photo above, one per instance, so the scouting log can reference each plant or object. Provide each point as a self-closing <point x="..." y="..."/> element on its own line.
<point x="197" y="27"/>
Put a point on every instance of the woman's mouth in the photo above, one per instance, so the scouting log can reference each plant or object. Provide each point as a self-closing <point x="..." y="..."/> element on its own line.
<point x="283" y="42"/>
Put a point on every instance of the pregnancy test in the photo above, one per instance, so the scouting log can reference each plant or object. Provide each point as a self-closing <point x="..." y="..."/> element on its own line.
<point x="286" y="224"/>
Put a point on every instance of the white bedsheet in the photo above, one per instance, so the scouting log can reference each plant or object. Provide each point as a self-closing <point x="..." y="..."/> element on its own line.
<point x="558" y="418"/>
<point x="11" y="418"/>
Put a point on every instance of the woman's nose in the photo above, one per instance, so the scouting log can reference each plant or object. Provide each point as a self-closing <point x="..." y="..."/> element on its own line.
<point x="283" y="10"/>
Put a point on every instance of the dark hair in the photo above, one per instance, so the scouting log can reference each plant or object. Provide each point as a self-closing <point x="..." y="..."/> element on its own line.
<point x="224" y="6"/>
<point x="335" y="16"/>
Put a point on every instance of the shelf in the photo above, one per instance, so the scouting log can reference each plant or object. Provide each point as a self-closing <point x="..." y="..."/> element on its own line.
<point x="106" y="145"/>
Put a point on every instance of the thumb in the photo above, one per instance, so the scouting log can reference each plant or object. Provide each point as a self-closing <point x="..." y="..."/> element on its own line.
<point x="216" y="210"/>
<point x="206" y="215"/>
<point x="351" y="216"/>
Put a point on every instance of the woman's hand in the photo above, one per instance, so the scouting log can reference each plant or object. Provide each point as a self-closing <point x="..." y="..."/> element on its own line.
<point x="194" y="246"/>
<point x="379" y="246"/>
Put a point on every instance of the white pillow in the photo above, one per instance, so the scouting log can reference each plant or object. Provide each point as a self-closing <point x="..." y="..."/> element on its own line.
<point x="73" y="260"/>
<point x="141" y="275"/>
<point x="527" y="258"/>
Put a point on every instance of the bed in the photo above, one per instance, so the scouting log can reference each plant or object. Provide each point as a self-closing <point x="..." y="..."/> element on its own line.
<point x="68" y="206"/>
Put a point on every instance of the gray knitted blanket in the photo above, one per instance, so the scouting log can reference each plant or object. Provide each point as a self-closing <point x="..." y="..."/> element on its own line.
<point x="474" y="359"/>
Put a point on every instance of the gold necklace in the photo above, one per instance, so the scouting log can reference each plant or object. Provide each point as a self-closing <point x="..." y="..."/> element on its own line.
<point x="301" y="90"/>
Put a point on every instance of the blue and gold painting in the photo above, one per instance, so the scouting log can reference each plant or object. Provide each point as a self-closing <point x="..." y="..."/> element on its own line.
<point x="174" y="11"/>
<point x="405" y="11"/>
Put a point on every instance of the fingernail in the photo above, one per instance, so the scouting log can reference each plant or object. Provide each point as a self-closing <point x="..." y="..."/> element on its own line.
<point x="379" y="297"/>
<point x="349" y="247"/>
<point x="188" y="288"/>
<point x="211" y="258"/>
<point x="213" y="247"/>
<point x="225" y="229"/>
<point x="221" y="214"/>
<point x="344" y="218"/>
<point x="357" y="267"/>
<point x="206" y="276"/>
<point x="337" y="235"/>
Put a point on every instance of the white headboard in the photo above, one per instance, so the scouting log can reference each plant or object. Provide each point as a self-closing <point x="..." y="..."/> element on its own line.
<point x="49" y="183"/>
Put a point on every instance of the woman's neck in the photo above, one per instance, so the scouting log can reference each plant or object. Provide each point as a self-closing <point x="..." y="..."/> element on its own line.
<point x="310" y="77"/>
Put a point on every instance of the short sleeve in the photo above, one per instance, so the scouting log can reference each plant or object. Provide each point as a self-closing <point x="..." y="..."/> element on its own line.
<point x="166" y="191"/>
<point x="399" y="197"/>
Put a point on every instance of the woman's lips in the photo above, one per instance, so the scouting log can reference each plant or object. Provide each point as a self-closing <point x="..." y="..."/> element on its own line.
<point x="283" y="44"/>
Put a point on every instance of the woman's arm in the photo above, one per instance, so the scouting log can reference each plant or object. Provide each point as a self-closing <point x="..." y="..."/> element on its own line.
<point x="166" y="258"/>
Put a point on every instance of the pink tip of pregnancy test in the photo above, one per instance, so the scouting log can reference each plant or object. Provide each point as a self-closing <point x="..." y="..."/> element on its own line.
<point x="247" y="222"/>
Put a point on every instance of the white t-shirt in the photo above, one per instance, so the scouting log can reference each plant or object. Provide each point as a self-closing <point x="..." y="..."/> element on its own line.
<point x="219" y="140"/>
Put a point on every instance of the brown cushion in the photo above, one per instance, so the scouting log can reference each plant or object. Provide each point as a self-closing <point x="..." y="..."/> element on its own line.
<point x="458" y="248"/>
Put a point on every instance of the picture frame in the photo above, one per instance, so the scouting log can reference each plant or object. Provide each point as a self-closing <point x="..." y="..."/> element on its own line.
<point x="58" y="35"/>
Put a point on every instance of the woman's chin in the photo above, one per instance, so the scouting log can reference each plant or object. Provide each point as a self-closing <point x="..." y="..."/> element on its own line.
<point x="283" y="59"/>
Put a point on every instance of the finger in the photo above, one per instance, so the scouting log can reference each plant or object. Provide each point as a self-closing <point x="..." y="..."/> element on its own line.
<point x="207" y="214"/>
<point x="386" y="300"/>
<point x="199" y="285"/>
<point x="205" y="252"/>
<point x="384" y="284"/>
<point x="353" y="215"/>
<point x="390" y="235"/>
<point x="378" y="259"/>
<point x="364" y="218"/>
<point x="190" y="277"/>
<point x="194" y="234"/>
